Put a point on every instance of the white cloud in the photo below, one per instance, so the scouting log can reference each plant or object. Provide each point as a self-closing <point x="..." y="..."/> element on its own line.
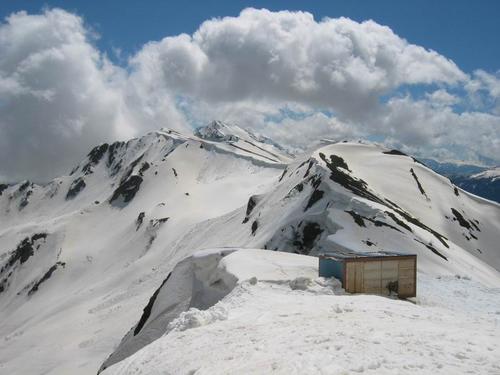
<point x="289" y="57"/>
<point x="442" y="98"/>
<point x="422" y="128"/>
<point x="59" y="96"/>
<point x="271" y="71"/>
<point x="484" y="89"/>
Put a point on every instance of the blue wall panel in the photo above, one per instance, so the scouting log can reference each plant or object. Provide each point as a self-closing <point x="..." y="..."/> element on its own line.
<point x="331" y="268"/>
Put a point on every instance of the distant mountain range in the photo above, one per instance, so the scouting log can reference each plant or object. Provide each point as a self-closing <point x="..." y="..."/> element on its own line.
<point x="478" y="180"/>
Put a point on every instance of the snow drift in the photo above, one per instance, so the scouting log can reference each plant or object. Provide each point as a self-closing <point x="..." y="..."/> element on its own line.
<point x="266" y="324"/>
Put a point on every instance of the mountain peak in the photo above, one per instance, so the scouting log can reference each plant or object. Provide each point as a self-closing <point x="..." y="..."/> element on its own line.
<point x="220" y="132"/>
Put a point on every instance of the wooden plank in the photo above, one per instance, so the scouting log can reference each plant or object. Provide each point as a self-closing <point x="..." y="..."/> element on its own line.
<point x="375" y="265"/>
<point x="407" y="263"/>
<point x="390" y="270"/>
<point x="372" y="277"/>
<point x="407" y="278"/>
<point x="350" y="277"/>
<point x="358" y="284"/>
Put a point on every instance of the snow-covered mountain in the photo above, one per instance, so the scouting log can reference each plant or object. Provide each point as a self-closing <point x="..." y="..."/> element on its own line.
<point x="485" y="184"/>
<point x="82" y="255"/>
<point x="478" y="180"/>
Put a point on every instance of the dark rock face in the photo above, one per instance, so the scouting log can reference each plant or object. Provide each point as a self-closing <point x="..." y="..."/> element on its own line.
<point x="139" y="220"/>
<point x="339" y="162"/>
<point x="24" y="186"/>
<point x="75" y="188"/>
<point x="45" y="277"/>
<point x="422" y="191"/>
<point x="358" y="219"/>
<point x="296" y="189"/>
<point x="315" y="197"/>
<point x="130" y="169"/>
<point x="255" y="225"/>
<point x="359" y="187"/>
<point x="144" y="167"/>
<point x="283" y="174"/>
<point x="311" y="163"/>
<point x="252" y="202"/>
<point x="401" y="223"/>
<point x="470" y="225"/>
<point x="310" y="232"/>
<point x="395" y="152"/>
<point x="432" y="248"/>
<point x="24" y="191"/>
<point x="127" y="190"/>
<point x="113" y="161"/>
<point x="94" y="156"/>
<point x="461" y="220"/>
<point x="2" y="188"/>
<point x="300" y="237"/>
<point x="149" y="307"/>
<point x="25" y="199"/>
<point x="24" y="250"/>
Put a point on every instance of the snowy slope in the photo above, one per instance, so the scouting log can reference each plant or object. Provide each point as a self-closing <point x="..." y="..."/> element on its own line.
<point x="76" y="268"/>
<point x="493" y="174"/>
<point x="82" y="256"/>
<point x="353" y="196"/>
<point x="280" y="318"/>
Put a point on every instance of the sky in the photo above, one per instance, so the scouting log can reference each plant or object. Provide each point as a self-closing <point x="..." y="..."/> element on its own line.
<point x="420" y="76"/>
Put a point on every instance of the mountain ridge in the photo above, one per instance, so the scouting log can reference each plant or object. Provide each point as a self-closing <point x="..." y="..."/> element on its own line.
<point x="85" y="264"/>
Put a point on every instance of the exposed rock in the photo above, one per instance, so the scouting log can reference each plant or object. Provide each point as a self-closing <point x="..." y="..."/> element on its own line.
<point x="139" y="220"/>
<point x="2" y="188"/>
<point x="75" y="188"/>
<point x="422" y="191"/>
<point x="127" y="190"/>
<point x="255" y="225"/>
<point x="94" y="156"/>
<point x="45" y="277"/>
<point x="315" y="196"/>
<point x="252" y="202"/>
<point x="144" y="167"/>
<point x="394" y="152"/>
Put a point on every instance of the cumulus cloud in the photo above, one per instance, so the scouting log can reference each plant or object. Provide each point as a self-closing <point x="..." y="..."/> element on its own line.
<point x="290" y="57"/>
<point x="420" y="127"/>
<point x="283" y="74"/>
<point x="442" y="98"/>
<point x="59" y="95"/>
<point x="484" y="89"/>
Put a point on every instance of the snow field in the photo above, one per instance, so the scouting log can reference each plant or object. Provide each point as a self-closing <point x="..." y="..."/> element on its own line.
<point x="270" y="327"/>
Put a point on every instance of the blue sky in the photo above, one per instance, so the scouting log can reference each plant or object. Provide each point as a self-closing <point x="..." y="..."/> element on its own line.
<point x="465" y="31"/>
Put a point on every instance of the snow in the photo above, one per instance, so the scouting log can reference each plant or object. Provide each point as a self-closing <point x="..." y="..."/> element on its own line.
<point x="266" y="326"/>
<point x="193" y="196"/>
<point x="493" y="174"/>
